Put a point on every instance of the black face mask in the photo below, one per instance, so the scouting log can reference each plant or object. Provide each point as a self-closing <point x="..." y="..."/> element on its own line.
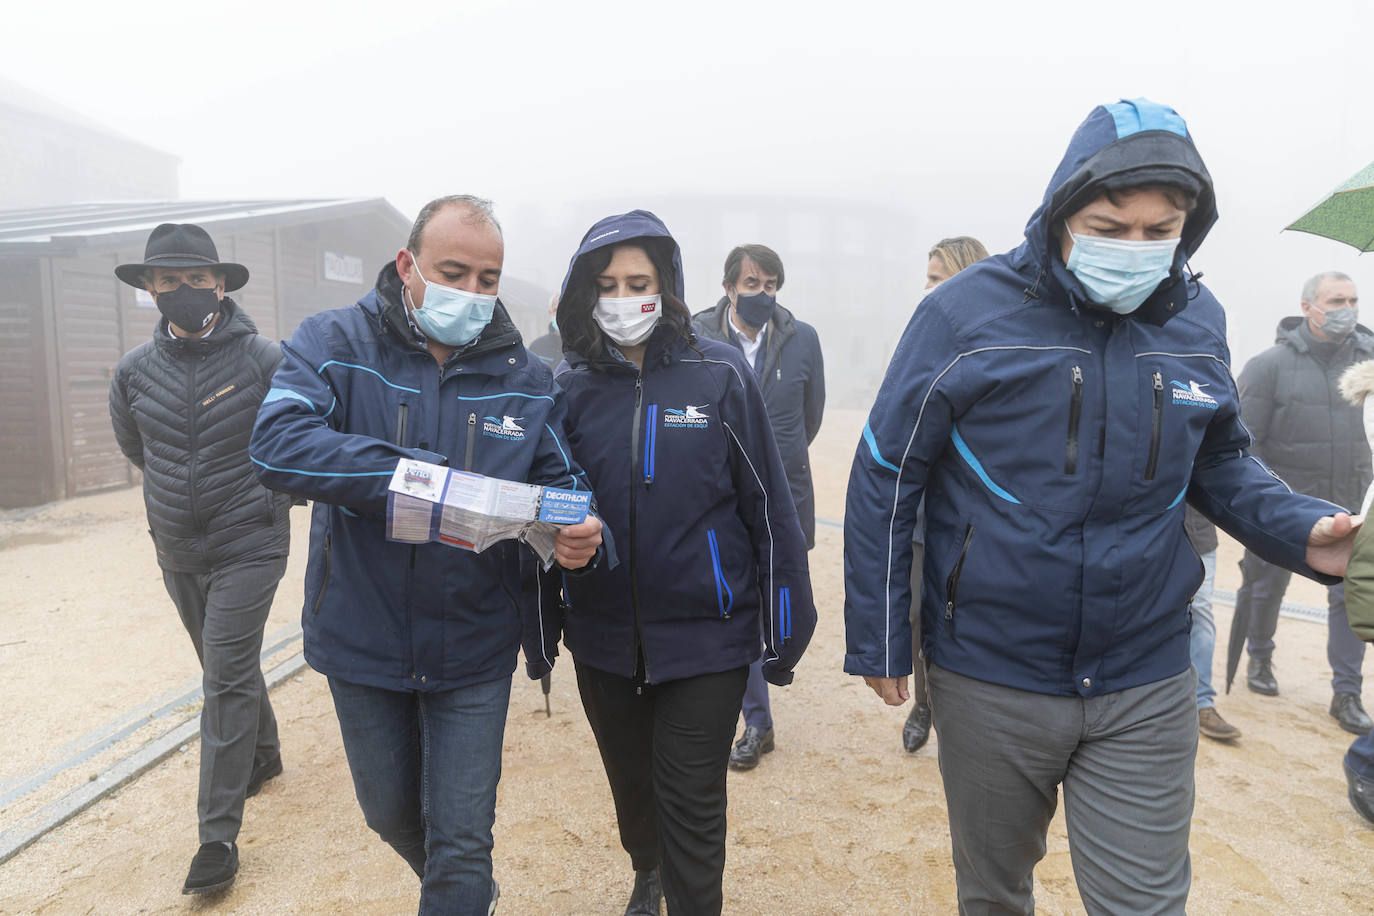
<point x="754" y="310"/>
<point x="188" y="308"/>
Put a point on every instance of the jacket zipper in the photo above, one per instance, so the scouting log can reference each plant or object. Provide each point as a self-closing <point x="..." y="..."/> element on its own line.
<point x="472" y="441"/>
<point x="952" y="583"/>
<point x="194" y="449"/>
<point x="324" y="583"/>
<point x="1156" y="421"/>
<point x="650" y="444"/>
<point x="1075" y="411"/>
<point x="634" y="581"/>
<point x="401" y="412"/>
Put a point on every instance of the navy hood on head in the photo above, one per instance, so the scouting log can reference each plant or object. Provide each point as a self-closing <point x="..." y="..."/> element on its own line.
<point x="625" y="227"/>
<point x="1126" y="144"/>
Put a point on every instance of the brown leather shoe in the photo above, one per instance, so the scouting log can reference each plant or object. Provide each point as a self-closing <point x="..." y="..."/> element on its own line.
<point x="1211" y="724"/>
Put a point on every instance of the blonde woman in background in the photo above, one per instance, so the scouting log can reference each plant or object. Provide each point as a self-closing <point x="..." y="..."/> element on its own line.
<point x="947" y="258"/>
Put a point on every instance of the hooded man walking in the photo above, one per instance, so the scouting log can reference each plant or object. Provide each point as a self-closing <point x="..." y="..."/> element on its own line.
<point x="183" y="406"/>
<point x="785" y="355"/>
<point x="1057" y="405"/>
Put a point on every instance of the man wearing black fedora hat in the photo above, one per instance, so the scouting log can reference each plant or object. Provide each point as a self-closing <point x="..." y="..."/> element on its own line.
<point x="183" y="406"/>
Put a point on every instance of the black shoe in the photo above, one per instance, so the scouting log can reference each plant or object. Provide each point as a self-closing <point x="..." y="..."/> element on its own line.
<point x="748" y="749"/>
<point x="1259" y="677"/>
<point x="269" y="770"/>
<point x="916" y="731"/>
<point x="1347" y="709"/>
<point x="1361" y="794"/>
<point x="213" y="869"/>
<point x="647" y="897"/>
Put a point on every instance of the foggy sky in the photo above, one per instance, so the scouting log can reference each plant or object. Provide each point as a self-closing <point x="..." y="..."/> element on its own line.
<point x="956" y="113"/>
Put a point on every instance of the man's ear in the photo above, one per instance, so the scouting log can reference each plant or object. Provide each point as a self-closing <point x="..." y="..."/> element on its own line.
<point x="405" y="264"/>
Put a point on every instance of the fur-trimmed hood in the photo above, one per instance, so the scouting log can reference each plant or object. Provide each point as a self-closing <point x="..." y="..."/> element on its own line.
<point x="1357" y="382"/>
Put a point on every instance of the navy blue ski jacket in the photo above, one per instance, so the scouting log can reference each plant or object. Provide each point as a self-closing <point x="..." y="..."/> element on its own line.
<point x="356" y="392"/>
<point x="690" y="484"/>
<point x="793" y="385"/>
<point x="1056" y="444"/>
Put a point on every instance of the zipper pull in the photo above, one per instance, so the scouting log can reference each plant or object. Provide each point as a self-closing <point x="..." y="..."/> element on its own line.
<point x="779" y="373"/>
<point x="1077" y="375"/>
<point x="1158" y="382"/>
<point x="949" y="619"/>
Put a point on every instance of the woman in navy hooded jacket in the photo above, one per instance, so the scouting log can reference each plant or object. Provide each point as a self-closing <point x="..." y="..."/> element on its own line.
<point x="675" y="440"/>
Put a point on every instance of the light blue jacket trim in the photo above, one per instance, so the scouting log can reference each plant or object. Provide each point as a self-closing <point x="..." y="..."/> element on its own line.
<point x="873" y="447"/>
<point x="1135" y="115"/>
<point x="319" y="473"/>
<point x="508" y="394"/>
<point x="282" y="394"/>
<point x="1179" y="497"/>
<point x="967" y="454"/>
<point x="385" y="380"/>
<point x="567" y="465"/>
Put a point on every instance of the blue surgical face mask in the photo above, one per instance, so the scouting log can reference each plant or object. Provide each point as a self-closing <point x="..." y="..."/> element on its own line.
<point x="453" y="317"/>
<point x="1119" y="274"/>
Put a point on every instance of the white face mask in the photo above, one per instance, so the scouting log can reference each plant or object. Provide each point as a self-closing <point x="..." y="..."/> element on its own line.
<point x="628" y="321"/>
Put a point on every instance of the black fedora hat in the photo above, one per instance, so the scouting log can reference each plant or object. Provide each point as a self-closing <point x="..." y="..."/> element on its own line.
<point x="182" y="245"/>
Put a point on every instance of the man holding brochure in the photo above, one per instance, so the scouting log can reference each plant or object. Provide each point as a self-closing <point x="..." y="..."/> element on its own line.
<point x="419" y="639"/>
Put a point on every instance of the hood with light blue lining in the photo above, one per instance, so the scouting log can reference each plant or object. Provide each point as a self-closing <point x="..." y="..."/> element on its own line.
<point x="1121" y="145"/>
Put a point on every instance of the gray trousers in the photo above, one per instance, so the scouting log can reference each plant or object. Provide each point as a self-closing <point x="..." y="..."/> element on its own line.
<point x="1261" y="589"/>
<point x="225" y="611"/>
<point x="1125" y="760"/>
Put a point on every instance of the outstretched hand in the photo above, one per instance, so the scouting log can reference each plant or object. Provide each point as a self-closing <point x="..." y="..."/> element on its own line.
<point x="1328" y="546"/>
<point x="893" y="690"/>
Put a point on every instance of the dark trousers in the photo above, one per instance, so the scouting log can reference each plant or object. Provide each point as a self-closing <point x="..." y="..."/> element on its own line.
<point x="1261" y="588"/>
<point x="666" y="752"/>
<point x="224" y="611"/>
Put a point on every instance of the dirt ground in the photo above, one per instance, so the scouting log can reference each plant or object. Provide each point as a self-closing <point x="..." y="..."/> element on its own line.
<point x="837" y="820"/>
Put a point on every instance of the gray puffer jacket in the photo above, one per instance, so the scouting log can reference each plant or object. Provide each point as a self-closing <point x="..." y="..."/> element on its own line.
<point x="1303" y="428"/>
<point x="183" y="411"/>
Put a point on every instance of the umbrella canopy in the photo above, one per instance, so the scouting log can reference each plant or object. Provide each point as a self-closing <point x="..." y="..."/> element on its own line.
<point x="1346" y="215"/>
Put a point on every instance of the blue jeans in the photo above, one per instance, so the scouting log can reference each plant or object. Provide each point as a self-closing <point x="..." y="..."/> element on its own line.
<point x="1203" y="638"/>
<point x="1360" y="758"/>
<point x="425" y="768"/>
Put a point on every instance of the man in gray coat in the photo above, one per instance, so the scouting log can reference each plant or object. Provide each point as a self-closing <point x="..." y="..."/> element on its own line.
<point x="183" y="406"/>
<point x="1314" y="439"/>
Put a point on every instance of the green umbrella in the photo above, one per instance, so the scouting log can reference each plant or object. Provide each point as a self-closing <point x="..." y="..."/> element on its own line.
<point x="1347" y="214"/>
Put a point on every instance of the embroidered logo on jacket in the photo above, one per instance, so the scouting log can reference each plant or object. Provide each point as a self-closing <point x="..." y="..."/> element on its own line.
<point x="1192" y="395"/>
<point x="691" y="418"/>
<point x="218" y="394"/>
<point x="505" y="427"/>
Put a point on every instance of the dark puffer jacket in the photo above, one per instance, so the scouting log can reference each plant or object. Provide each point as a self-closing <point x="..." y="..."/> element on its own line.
<point x="1311" y="436"/>
<point x="183" y="410"/>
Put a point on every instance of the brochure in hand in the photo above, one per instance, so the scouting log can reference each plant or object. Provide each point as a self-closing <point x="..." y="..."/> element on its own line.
<point x="429" y="502"/>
